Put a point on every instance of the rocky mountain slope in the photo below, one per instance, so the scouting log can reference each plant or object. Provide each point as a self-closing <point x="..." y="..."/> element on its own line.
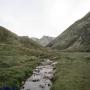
<point x="74" y="38"/>
<point x="45" y="40"/>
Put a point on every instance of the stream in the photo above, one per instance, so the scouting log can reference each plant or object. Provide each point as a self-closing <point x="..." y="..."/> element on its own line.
<point x="41" y="77"/>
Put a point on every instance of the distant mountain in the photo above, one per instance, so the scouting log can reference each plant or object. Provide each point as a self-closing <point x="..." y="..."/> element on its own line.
<point x="34" y="39"/>
<point x="45" y="40"/>
<point x="74" y="38"/>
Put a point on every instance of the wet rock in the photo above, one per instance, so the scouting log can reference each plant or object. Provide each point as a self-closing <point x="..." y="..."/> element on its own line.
<point x="41" y="78"/>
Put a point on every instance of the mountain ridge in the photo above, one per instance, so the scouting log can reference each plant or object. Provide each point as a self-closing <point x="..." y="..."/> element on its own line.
<point x="75" y="37"/>
<point x="43" y="41"/>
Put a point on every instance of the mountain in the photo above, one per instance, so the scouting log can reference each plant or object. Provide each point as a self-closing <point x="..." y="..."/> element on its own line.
<point x="29" y="43"/>
<point x="45" y="40"/>
<point x="19" y="55"/>
<point x="10" y="38"/>
<point x="35" y="39"/>
<point x="74" y="38"/>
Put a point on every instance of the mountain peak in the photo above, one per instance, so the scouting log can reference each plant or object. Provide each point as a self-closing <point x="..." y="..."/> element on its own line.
<point x="43" y="40"/>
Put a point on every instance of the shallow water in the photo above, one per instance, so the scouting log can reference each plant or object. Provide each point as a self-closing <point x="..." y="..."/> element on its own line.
<point x="41" y="77"/>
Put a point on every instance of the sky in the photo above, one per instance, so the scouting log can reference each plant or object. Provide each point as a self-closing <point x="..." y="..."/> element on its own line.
<point x="35" y="18"/>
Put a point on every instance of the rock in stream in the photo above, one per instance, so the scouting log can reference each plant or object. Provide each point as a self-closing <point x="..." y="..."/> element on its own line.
<point x="41" y="77"/>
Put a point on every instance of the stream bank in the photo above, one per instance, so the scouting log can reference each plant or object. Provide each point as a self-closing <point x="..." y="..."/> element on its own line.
<point x="41" y="77"/>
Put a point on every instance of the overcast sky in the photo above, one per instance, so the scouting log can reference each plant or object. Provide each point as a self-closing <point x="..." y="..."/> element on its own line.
<point x="36" y="18"/>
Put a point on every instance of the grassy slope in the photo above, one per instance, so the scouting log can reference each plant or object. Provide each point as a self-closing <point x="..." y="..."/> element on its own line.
<point x="73" y="72"/>
<point x="74" y="38"/>
<point x="18" y="57"/>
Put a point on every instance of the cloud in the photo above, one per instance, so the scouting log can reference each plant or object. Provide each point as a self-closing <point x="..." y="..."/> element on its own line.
<point x="36" y="18"/>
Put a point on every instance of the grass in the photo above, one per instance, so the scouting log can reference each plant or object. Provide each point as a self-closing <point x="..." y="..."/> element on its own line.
<point x="73" y="72"/>
<point x="18" y="57"/>
<point x="17" y="63"/>
<point x="15" y="69"/>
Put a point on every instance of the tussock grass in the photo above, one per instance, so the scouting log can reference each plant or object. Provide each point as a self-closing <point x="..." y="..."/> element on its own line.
<point x="73" y="72"/>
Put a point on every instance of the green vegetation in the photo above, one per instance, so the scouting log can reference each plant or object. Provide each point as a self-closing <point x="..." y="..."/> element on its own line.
<point x="18" y="57"/>
<point x="15" y="69"/>
<point x="73" y="45"/>
<point x="73" y="71"/>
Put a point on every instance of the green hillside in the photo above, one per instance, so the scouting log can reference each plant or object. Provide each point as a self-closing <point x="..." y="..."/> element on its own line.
<point x="73" y="56"/>
<point x="74" y="38"/>
<point x="73" y="71"/>
<point x="18" y="57"/>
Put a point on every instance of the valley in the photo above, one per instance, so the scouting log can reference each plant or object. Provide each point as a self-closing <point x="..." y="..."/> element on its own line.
<point x="25" y="64"/>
